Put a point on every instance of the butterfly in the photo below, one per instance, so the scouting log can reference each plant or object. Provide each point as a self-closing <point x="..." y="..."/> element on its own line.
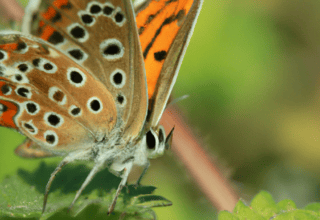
<point x="90" y="80"/>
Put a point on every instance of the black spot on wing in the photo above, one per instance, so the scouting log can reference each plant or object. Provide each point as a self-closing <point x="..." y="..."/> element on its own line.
<point x="87" y="19"/>
<point x="95" y="105"/>
<point x="120" y="99"/>
<point x="3" y="108"/>
<point x="167" y="21"/>
<point x="50" y="139"/>
<point x="5" y="89"/>
<point x="112" y="49"/>
<point x="29" y="127"/>
<point x="53" y="120"/>
<point x="21" y="46"/>
<point x="119" y="17"/>
<point x="56" y="38"/>
<point x="78" y="32"/>
<point x="76" y="54"/>
<point x="95" y="9"/>
<point x="117" y="78"/>
<point x="107" y="10"/>
<point x="23" y="92"/>
<point x="1" y="55"/>
<point x="67" y="6"/>
<point x="76" y="77"/>
<point x="161" y="55"/>
<point x="18" y="77"/>
<point x="76" y="111"/>
<point x="56" y="18"/>
<point x="23" y="67"/>
<point x="36" y="62"/>
<point x="31" y="108"/>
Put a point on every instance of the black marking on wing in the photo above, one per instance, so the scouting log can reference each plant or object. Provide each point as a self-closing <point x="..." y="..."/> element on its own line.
<point x="167" y="21"/>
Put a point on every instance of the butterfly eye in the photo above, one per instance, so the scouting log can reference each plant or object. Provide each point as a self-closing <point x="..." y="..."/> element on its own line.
<point x="151" y="141"/>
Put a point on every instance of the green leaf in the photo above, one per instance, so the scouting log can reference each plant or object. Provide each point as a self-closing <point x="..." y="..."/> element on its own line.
<point x="313" y="207"/>
<point x="21" y="196"/>
<point x="297" y="215"/>
<point x="287" y="205"/>
<point x="264" y="207"/>
<point x="223" y="215"/>
<point x="245" y="212"/>
<point x="264" y="204"/>
<point x="150" y="201"/>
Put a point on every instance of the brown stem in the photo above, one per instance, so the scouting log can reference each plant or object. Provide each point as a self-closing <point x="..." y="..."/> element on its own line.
<point x="213" y="184"/>
<point x="206" y="174"/>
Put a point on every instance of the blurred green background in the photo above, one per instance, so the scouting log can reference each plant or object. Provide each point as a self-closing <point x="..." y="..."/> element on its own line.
<point x="252" y="73"/>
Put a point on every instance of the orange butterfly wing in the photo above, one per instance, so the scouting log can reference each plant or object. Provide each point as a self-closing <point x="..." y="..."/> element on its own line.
<point x="158" y="24"/>
<point x="165" y="28"/>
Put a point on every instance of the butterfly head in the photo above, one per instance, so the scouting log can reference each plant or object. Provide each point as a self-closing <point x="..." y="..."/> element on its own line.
<point x="156" y="141"/>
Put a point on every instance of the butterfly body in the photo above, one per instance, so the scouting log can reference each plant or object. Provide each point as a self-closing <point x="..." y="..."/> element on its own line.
<point x="87" y="87"/>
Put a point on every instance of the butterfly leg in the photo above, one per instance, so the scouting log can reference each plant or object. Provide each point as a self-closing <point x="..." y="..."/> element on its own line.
<point x="71" y="157"/>
<point x="53" y="175"/>
<point x="143" y="173"/>
<point x="92" y="173"/>
<point x="124" y="176"/>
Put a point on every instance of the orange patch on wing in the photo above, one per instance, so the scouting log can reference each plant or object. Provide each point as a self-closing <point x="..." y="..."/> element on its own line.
<point x="47" y="32"/>
<point x="152" y="9"/>
<point x="50" y="13"/>
<point x="153" y="67"/>
<point x="154" y="19"/>
<point x="41" y="24"/>
<point x="59" y="3"/>
<point x="9" y="47"/>
<point x="6" y="117"/>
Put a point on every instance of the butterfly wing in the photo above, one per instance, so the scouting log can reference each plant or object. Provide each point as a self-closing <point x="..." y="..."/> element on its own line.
<point x="165" y="28"/>
<point x="48" y="97"/>
<point x="102" y="37"/>
<point x="29" y="149"/>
